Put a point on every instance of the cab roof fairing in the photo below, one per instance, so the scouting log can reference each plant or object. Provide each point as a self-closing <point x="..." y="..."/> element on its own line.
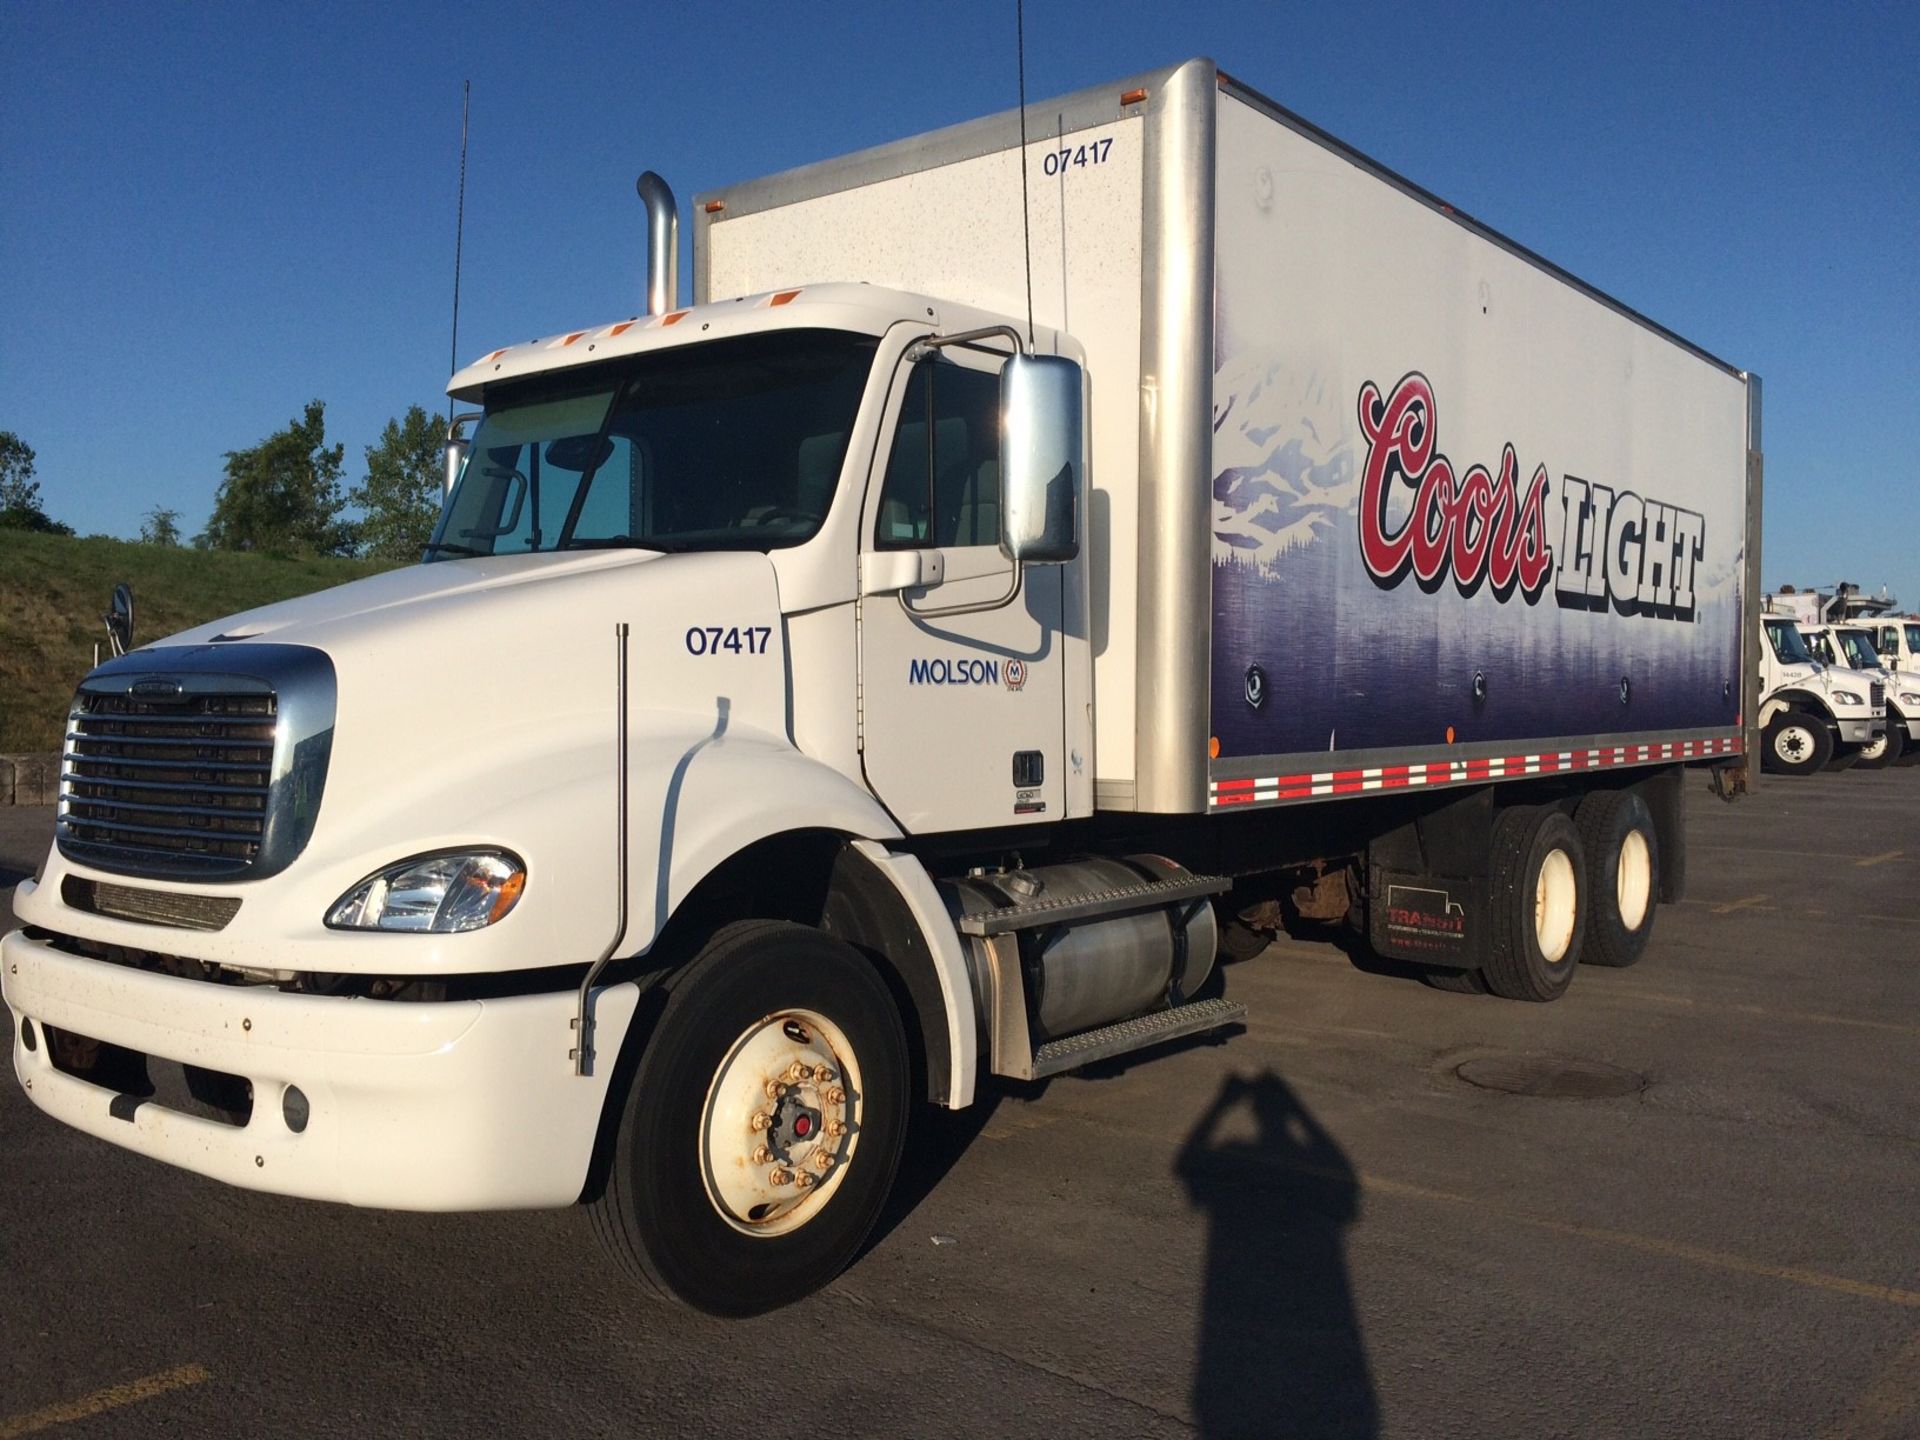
<point x="859" y="308"/>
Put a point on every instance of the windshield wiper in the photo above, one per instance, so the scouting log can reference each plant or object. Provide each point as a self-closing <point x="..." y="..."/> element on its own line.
<point x="624" y="542"/>
<point x="452" y="548"/>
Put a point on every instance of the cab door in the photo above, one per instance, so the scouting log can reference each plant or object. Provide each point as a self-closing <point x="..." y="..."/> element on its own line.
<point x="961" y="698"/>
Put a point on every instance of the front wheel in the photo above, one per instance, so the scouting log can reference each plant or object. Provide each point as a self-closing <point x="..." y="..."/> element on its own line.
<point x="1884" y="749"/>
<point x="764" y="1125"/>
<point x="1796" y="743"/>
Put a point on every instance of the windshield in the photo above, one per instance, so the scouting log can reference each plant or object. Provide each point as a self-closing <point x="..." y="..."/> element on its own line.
<point x="1913" y="639"/>
<point x="1818" y="646"/>
<point x="1788" y="647"/>
<point x="1859" y="647"/>
<point x="732" y="445"/>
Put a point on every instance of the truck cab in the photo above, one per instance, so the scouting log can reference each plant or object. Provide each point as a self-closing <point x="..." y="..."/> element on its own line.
<point x="1852" y="647"/>
<point x="1811" y="714"/>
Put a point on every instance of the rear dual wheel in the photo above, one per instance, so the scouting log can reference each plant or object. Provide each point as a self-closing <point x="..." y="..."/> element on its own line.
<point x="1536" y="903"/>
<point x="764" y="1124"/>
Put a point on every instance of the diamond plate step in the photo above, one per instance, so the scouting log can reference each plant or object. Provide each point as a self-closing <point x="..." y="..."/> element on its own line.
<point x="1143" y="896"/>
<point x="1088" y="1046"/>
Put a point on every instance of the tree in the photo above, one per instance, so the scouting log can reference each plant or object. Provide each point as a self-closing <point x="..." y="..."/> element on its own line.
<point x="20" y="492"/>
<point x="402" y="488"/>
<point x="160" y="527"/>
<point x="283" y="495"/>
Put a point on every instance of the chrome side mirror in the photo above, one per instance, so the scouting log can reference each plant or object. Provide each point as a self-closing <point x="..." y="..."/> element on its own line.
<point x="119" y="619"/>
<point x="457" y="447"/>
<point x="1043" y="458"/>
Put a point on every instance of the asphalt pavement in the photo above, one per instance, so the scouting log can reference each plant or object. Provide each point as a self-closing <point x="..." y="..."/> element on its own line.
<point x="1704" y="1221"/>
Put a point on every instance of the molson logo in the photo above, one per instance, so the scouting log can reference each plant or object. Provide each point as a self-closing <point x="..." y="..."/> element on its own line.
<point x="961" y="670"/>
<point x="1474" y="525"/>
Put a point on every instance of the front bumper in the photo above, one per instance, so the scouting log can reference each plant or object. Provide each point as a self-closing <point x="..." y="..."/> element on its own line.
<point x="1860" y="732"/>
<point x="463" y="1105"/>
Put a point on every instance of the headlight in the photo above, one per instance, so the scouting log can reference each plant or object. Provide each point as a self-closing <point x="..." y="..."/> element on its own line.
<point x="1847" y="697"/>
<point x="438" y="893"/>
<point x="1908" y="698"/>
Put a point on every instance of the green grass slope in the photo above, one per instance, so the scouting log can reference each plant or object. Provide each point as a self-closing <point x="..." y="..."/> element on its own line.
<point x="53" y="591"/>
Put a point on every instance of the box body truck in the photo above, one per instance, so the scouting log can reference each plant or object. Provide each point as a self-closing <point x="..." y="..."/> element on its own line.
<point x="905" y="664"/>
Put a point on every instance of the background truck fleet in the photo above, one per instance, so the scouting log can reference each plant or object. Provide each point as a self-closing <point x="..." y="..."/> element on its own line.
<point x="909" y="663"/>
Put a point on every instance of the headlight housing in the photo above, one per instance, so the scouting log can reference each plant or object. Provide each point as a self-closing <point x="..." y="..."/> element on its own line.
<point x="1847" y="697"/>
<point x="1908" y="698"/>
<point x="440" y="894"/>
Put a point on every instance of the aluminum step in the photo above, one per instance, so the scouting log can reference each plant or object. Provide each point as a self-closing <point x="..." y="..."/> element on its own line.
<point x="1073" y="1051"/>
<point x="1144" y="896"/>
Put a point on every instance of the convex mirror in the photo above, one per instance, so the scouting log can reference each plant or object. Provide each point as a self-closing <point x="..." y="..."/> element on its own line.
<point x="1043" y="458"/>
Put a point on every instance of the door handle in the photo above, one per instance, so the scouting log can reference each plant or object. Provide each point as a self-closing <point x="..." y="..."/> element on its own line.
<point x="882" y="572"/>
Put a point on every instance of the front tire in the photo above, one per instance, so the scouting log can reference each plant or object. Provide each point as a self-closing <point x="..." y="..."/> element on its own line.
<point x="1879" y="754"/>
<point x="1795" y="743"/>
<point x="1623" y="875"/>
<point x="1536" y="879"/>
<point x="764" y="1125"/>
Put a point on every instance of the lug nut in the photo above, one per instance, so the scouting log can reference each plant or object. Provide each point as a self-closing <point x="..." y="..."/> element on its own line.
<point x="781" y="1177"/>
<point x="760" y="1120"/>
<point x="803" y="1180"/>
<point x="796" y="1072"/>
<point x="836" y="1096"/>
<point x="762" y="1156"/>
<point x="775" y="1089"/>
<point x="822" y="1074"/>
<point x="836" y="1127"/>
<point x="822" y="1160"/>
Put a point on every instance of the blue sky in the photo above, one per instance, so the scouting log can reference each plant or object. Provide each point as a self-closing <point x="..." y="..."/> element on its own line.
<point x="214" y="213"/>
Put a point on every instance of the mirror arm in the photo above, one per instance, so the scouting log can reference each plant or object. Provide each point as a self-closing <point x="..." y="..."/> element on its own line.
<point x="920" y="349"/>
<point x="973" y="607"/>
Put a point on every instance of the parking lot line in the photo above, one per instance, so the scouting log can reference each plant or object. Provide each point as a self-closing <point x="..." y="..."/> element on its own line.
<point x="1879" y="859"/>
<point x="100" y="1401"/>
<point x="1768" y="1012"/>
<point x="1746" y="903"/>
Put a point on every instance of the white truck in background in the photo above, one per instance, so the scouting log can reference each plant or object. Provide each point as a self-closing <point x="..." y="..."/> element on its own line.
<point x="1850" y="648"/>
<point x="1814" y="714"/>
<point x="822" y="696"/>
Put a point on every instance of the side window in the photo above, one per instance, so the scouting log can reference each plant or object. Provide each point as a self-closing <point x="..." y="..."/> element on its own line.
<point x="942" y="485"/>
<point x="608" y="510"/>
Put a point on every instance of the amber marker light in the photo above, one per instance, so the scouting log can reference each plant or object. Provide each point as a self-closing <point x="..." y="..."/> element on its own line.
<point x="1133" y="97"/>
<point x="1449" y="734"/>
<point x="508" y="897"/>
<point x="1213" y="747"/>
<point x="714" y="207"/>
<point x="785" y="297"/>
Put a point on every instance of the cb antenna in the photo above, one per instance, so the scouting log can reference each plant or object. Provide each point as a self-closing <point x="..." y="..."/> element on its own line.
<point x="1026" y="222"/>
<point x="459" y="236"/>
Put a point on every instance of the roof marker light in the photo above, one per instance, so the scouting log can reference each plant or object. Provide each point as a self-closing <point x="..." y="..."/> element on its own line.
<point x="571" y="338"/>
<point x="1133" y="97"/>
<point x="620" y="329"/>
<point x="714" y="207"/>
<point x="783" y="298"/>
<point x="675" y="318"/>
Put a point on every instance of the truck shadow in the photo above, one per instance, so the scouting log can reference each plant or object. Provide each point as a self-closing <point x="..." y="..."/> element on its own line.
<point x="1280" y="1352"/>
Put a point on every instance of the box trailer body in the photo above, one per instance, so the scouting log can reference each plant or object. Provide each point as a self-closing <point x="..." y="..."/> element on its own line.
<point x="1287" y="344"/>
<point x="884" y="666"/>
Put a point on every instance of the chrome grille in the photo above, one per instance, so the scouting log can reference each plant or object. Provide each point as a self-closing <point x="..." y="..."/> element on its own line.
<point x="183" y="777"/>
<point x="1877" y="694"/>
<point x="197" y="762"/>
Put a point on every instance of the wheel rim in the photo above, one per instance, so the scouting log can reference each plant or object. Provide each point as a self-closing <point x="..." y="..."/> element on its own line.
<point x="1554" y="897"/>
<point x="1633" y="881"/>
<point x="1793" y="743"/>
<point x="1874" y="748"/>
<point x="781" y="1122"/>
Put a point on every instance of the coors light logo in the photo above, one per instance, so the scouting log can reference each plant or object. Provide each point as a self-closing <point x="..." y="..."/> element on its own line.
<point x="1634" y="556"/>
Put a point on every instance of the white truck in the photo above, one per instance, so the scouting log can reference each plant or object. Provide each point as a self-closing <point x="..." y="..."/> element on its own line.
<point x="1848" y="651"/>
<point x="1814" y="714"/>
<point x="846" y="687"/>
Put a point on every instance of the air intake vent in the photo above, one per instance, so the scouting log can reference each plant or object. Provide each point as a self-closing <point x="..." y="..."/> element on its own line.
<point x="149" y="907"/>
<point x="1878" y="695"/>
<point x="209" y="768"/>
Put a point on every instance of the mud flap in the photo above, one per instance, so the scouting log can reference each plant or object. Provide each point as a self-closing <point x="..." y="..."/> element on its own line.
<point x="1431" y="919"/>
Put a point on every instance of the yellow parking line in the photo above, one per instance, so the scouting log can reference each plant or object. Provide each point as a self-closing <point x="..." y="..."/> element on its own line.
<point x="100" y="1401"/>
<point x="1879" y="859"/>
<point x="1746" y="904"/>
<point x="1802" y="1017"/>
<point x="1671" y="1249"/>
<point x="1891" y="1404"/>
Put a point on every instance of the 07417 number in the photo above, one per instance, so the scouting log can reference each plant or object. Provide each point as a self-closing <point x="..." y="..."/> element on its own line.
<point x="1076" y="157"/>
<point x="728" y="639"/>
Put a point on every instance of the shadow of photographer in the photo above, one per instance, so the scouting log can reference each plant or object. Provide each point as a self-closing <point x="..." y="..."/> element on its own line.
<point x="1280" y="1351"/>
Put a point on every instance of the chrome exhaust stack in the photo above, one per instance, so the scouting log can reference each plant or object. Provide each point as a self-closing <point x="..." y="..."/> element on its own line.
<point x="663" y="243"/>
